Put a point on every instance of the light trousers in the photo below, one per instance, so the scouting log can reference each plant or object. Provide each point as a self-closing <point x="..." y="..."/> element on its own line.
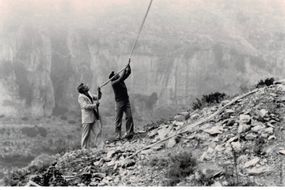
<point x="87" y="129"/>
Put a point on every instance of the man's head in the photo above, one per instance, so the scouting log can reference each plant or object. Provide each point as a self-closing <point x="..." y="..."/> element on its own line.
<point x="113" y="74"/>
<point x="82" y="88"/>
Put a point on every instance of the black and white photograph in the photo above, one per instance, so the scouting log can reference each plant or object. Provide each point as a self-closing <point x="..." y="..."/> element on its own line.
<point x="142" y="93"/>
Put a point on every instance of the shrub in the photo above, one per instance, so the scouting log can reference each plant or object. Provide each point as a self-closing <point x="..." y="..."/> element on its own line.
<point x="16" y="177"/>
<point x="181" y="165"/>
<point x="208" y="99"/>
<point x="197" y="104"/>
<point x="42" y="162"/>
<point x="266" y="82"/>
<point x="158" y="162"/>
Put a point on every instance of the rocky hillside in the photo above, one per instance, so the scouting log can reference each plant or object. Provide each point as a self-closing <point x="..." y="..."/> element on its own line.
<point x="237" y="142"/>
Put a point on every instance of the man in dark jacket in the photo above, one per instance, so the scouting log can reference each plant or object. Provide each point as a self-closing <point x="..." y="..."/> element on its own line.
<point x="122" y="103"/>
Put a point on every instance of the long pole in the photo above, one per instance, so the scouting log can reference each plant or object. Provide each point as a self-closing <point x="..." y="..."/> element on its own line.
<point x="134" y="45"/>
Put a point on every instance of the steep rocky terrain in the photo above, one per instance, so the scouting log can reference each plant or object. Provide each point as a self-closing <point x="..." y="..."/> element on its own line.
<point x="237" y="142"/>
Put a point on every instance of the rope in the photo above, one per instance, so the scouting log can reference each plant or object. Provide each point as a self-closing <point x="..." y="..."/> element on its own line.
<point x="140" y="29"/>
<point x="134" y="45"/>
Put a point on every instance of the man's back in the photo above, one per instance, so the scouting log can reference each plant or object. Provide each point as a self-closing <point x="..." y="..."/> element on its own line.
<point x="120" y="91"/>
<point x="119" y="87"/>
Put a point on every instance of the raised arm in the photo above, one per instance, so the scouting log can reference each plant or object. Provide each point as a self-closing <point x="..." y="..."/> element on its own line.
<point x="99" y="94"/>
<point x="128" y="72"/>
<point x="121" y="78"/>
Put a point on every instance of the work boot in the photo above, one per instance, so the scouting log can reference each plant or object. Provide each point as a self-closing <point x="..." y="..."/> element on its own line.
<point x="129" y="136"/>
<point x="118" y="136"/>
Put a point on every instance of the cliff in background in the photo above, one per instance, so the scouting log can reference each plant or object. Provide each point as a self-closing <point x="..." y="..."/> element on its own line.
<point x="183" y="52"/>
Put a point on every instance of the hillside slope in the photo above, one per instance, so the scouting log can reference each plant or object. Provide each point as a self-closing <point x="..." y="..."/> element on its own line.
<point x="242" y="145"/>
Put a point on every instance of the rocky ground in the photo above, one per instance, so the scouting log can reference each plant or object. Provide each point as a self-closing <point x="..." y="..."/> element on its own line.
<point x="240" y="146"/>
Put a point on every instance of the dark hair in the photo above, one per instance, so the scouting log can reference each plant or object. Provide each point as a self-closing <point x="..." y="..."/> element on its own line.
<point x="111" y="74"/>
<point x="80" y="88"/>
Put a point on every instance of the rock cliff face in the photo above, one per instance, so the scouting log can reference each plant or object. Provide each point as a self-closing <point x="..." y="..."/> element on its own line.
<point x="42" y="60"/>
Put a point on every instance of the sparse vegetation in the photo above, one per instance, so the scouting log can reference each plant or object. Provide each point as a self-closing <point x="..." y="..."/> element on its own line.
<point x="209" y="99"/>
<point x="265" y="82"/>
<point x="181" y="165"/>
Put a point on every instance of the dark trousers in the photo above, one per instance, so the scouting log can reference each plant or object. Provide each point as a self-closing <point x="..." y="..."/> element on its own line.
<point x="124" y="107"/>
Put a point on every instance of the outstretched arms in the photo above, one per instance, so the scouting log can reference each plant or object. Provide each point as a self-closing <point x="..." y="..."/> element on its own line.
<point x="99" y="94"/>
<point x="126" y="73"/>
<point x="121" y="78"/>
<point x="128" y="70"/>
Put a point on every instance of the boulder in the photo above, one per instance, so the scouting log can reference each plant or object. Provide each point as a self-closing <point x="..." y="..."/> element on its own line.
<point x="214" y="130"/>
<point x="236" y="146"/>
<point x="224" y="102"/>
<point x="244" y="119"/>
<point x="281" y="87"/>
<point x="232" y="139"/>
<point x="102" y="183"/>
<point x="264" y="135"/>
<point x="97" y="163"/>
<point x="112" y="153"/>
<point x="208" y="155"/>
<point x="94" y="183"/>
<point x="202" y="136"/>
<point x="219" y="148"/>
<point x="282" y="99"/>
<point x="158" y="147"/>
<point x="257" y="128"/>
<point x="229" y="111"/>
<point x="185" y="113"/>
<point x="242" y="159"/>
<point x="108" y="178"/>
<point x="171" y="142"/>
<point x="231" y="122"/>
<point x="269" y="149"/>
<point x="271" y="122"/>
<point x="106" y="159"/>
<point x="217" y="184"/>
<point x="98" y="175"/>
<point x="128" y="163"/>
<point x="152" y="133"/>
<point x="178" y="123"/>
<point x="250" y="136"/>
<point x="263" y="113"/>
<point x="111" y="163"/>
<point x="268" y="130"/>
<point x="179" y="118"/>
<point x="194" y="116"/>
<point x="273" y="94"/>
<point x="258" y="170"/>
<point x="272" y="137"/>
<point x="212" y="172"/>
<point x="163" y="133"/>
<point x="252" y="162"/>
<point x="243" y="128"/>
